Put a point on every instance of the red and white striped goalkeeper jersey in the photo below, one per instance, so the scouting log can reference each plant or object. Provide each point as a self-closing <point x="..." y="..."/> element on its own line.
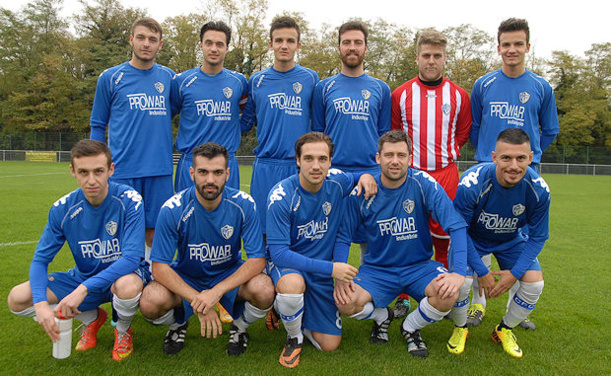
<point x="436" y="118"/>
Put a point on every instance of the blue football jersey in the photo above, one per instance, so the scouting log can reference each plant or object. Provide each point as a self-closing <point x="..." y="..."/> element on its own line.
<point x="354" y="112"/>
<point x="135" y="106"/>
<point x="106" y="242"/>
<point x="209" y="107"/>
<point x="279" y="103"/>
<point x="206" y="243"/>
<point x="497" y="215"/>
<point x="308" y="222"/>
<point x="395" y="222"/>
<point x="499" y="102"/>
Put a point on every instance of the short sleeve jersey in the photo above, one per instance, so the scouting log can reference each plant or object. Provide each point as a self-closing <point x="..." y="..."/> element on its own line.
<point x="279" y="103"/>
<point x="354" y="112"/>
<point x="207" y="243"/>
<point x="135" y="106"/>
<point x="209" y="107"/>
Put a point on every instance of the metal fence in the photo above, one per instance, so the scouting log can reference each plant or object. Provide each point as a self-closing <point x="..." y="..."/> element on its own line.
<point x="246" y="160"/>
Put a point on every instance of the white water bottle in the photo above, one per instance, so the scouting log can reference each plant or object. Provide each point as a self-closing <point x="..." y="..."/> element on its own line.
<point x="63" y="346"/>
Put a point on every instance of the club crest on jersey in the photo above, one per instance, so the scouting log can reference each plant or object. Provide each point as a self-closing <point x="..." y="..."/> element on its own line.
<point x="518" y="209"/>
<point x="408" y="206"/>
<point x="227" y="231"/>
<point x="297" y="87"/>
<point x="228" y="92"/>
<point x="326" y="208"/>
<point x="159" y="87"/>
<point x="524" y="97"/>
<point x="111" y="228"/>
<point x="446" y="109"/>
<point x="366" y="94"/>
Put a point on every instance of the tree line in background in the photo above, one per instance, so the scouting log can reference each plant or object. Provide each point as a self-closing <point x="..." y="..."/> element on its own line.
<point x="49" y="65"/>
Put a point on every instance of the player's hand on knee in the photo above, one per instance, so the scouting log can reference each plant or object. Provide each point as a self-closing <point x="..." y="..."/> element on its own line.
<point x="486" y="284"/>
<point x="343" y="272"/>
<point x="68" y="306"/>
<point x="344" y="292"/>
<point x="211" y="325"/>
<point x="46" y="318"/>
<point x="507" y="280"/>
<point x="449" y="284"/>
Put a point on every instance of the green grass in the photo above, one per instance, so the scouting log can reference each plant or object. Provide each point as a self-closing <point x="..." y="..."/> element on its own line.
<point x="572" y="316"/>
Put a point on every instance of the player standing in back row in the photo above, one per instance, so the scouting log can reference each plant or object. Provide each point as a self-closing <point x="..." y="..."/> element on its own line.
<point x="352" y="107"/>
<point x="436" y="114"/>
<point x="132" y="100"/>
<point x="209" y="98"/>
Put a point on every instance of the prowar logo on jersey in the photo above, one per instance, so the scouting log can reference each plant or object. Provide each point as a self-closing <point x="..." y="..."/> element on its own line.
<point x="358" y="109"/>
<point x="220" y="111"/>
<point x="154" y="104"/>
<point x="290" y="104"/>
<point x="313" y="230"/>
<point x="514" y="114"/>
<point x="498" y="224"/>
<point x="104" y="250"/>
<point x="400" y="228"/>
<point x="205" y="252"/>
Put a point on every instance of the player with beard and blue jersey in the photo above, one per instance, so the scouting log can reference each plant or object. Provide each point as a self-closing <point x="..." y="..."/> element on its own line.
<point x="103" y="224"/>
<point x="398" y="257"/>
<point x="197" y="260"/>
<point x="209" y="98"/>
<point x="304" y="214"/>
<point x="511" y="97"/>
<point x="352" y="107"/>
<point x="498" y="200"/>
<point x="132" y="100"/>
<point x="279" y="103"/>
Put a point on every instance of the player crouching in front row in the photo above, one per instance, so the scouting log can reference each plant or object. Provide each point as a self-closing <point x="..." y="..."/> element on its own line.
<point x="398" y="258"/>
<point x="98" y="214"/>
<point x="498" y="201"/>
<point x="204" y="225"/>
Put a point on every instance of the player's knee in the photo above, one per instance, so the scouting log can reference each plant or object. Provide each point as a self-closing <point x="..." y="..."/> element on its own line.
<point x="330" y="343"/>
<point x="151" y="301"/>
<point x="291" y="284"/>
<point x="128" y="286"/>
<point x="261" y="289"/>
<point x="530" y="291"/>
<point x="20" y="297"/>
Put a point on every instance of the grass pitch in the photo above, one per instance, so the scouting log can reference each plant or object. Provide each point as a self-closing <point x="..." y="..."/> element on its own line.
<point x="572" y="316"/>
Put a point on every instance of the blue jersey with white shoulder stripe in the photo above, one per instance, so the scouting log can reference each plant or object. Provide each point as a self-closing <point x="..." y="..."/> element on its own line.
<point x="207" y="243"/>
<point x="209" y="107"/>
<point x="396" y="222"/>
<point x="106" y="242"/>
<point x="135" y="106"/>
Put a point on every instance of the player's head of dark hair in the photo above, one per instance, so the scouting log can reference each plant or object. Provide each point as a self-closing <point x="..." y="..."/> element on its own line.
<point x="513" y="136"/>
<point x="150" y="23"/>
<point x="394" y="137"/>
<point x="513" y="24"/>
<point x="312" y="137"/>
<point x="90" y="148"/>
<point x="284" y="22"/>
<point x="216" y="26"/>
<point x="431" y="37"/>
<point x="211" y="150"/>
<point x="353" y="25"/>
